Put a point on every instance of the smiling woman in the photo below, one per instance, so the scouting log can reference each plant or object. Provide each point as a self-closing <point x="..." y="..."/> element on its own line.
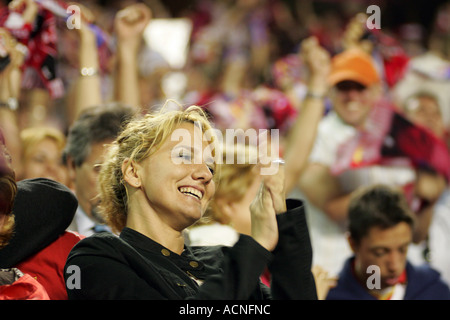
<point x="145" y="150"/>
<point x="158" y="179"/>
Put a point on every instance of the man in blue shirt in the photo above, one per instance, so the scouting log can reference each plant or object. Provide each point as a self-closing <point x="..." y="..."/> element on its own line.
<point x="380" y="232"/>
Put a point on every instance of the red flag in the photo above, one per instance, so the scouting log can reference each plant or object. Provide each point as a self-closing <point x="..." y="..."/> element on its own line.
<point x="420" y="145"/>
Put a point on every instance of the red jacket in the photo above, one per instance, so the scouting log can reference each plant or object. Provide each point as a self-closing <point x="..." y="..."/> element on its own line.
<point x="24" y="288"/>
<point x="47" y="266"/>
<point x="43" y="209"/>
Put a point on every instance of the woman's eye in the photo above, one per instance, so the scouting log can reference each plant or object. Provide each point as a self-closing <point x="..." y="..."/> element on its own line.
<point x="211" y="169"/>
<point x="184" y="155"/>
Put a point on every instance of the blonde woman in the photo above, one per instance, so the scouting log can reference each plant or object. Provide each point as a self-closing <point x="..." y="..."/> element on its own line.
<point x="42" y="154"/>
<point x="158" y="179"/>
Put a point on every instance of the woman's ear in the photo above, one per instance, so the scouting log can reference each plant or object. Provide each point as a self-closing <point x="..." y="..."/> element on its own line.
<point x="130" y="174"/>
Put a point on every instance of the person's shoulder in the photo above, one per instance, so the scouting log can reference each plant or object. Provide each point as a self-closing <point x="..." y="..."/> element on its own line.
<point x="70" y="235"/>
<point x="97" y="243"/>
<point x="424" y="271"/>
<point x="425" y="281"/>
<point x="67" y="240"/>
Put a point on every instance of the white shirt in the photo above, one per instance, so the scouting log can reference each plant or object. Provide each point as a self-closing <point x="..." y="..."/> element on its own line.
<point x="82" y="224"/>
<point x="212" y="234"/>
<point x="328" y="238"/>
<point x="439" y="240"/>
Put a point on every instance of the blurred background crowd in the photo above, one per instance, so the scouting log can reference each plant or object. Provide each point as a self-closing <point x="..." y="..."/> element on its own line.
<point x="237" y="51"/>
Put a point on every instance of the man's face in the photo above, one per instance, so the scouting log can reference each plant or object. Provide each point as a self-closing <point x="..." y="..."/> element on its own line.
<point x="353" y="101"/>
<point x="85" y="178"/>
<point x="385" y="248"/>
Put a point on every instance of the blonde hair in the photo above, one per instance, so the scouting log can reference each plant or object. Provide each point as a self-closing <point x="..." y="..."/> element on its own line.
<point x="32" y="136"/>
<point x="140" y="139"/>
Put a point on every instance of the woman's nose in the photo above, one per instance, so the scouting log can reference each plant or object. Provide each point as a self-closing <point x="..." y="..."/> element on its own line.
<point x="202" y="172"/>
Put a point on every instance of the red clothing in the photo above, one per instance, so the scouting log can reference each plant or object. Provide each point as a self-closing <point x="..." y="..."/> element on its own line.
<point x="266" y="277"/>
<point x="25" y="288"/>
<point x="47" y="265"/>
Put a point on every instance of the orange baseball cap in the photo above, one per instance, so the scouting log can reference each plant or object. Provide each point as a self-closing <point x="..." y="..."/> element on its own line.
<point x="355" y="65"/>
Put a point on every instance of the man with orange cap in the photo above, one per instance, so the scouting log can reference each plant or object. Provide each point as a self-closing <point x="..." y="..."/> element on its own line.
<point x="356" y="86"/>
<point x="347" y="137"/>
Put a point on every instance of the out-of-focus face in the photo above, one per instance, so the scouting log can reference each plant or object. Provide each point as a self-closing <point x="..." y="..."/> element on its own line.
<point x="85" y="179"/>
<point x="425" y="112"/>
<point x="177" y="179"/>
<point x="353" y="102"/>
<point x="44" y="161"/>
<point x="241" y="216"/>
<point x="385" y="248"/>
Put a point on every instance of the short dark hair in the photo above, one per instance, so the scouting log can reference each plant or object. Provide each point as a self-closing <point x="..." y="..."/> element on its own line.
<point x="94" y="125"/>
<point x="377" y="206"/>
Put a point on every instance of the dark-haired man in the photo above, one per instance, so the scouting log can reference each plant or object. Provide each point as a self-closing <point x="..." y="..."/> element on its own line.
<point x="380" y="232"/>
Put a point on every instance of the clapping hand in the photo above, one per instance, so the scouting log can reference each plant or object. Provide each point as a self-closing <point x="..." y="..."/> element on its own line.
<point x="269" y="201"/>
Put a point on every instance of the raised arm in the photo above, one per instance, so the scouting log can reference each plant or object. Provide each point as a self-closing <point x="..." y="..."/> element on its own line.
<point x="10" y="79"/>
<point x="88" y="84"/>
<point x="303" y="134"/>
<point x="129" y="25"/>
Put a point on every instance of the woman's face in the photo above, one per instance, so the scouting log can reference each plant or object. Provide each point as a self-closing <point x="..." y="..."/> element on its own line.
<point x="44" y="161"/>
<point x="242" y="217"/>
<point x="178" y="178"/>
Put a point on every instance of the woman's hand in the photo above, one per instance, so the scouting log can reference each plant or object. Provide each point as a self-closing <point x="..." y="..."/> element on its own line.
<point x="269" y="201"/>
